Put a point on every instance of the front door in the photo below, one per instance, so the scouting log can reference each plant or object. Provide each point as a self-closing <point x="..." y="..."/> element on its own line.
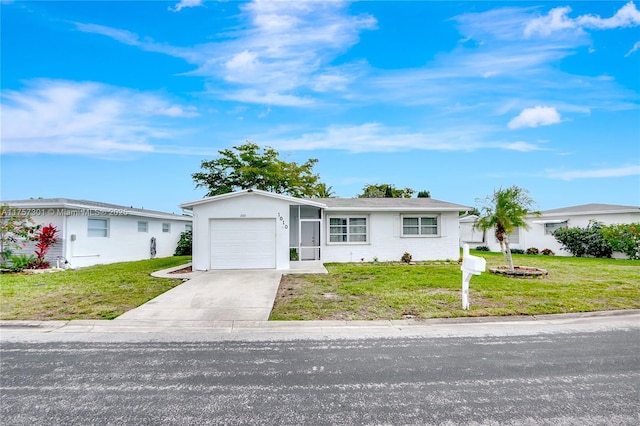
<point x="309" y="240"/>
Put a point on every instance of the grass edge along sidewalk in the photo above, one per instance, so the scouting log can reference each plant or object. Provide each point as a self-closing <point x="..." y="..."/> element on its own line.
<point x="367" y="291"/>
<point x="95" y="292"/>
<point x="360" y="291"/>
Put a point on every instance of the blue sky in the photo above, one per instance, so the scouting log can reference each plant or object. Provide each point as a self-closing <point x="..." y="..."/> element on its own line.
<point x="121" y="101"/>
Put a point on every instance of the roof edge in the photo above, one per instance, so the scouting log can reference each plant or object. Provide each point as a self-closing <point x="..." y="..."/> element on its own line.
<point x="97" y="208"/>
<point x="304" y="201"/>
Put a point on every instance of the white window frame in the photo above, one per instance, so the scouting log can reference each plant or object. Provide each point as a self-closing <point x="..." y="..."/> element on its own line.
<point x="167" y="229"/>
<point x="514" y="237"/>
<point x="554" y="226"/>
<point x="420" y="226"/>
<point x="90" y="228"/>
<point x="348" y="225"/>
<point x="188" y="227"/>
<point x="146" y="226"/>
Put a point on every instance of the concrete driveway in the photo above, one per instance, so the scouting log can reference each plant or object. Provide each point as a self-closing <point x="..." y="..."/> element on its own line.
<point x="221" y="295"/>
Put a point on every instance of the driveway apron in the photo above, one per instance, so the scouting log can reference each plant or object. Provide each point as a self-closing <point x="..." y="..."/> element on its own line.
<point x="220" y="295"/>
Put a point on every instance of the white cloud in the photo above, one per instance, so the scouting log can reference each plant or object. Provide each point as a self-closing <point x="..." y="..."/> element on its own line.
<point x="263" y="97"/>
<point x="66" y="117"/>
<point x="284" y="53"/>
<point x="634" y="49"/>
<point x="535" y="117"/>
<point x="183" y="4"/>
<point x="555" y="20"/>
<point x="522" y="146"/>
<point x="376" y="137"/>
<point x="595" y="173"/>
<point x="627" y="16"/>
<point x="558" y="20"/>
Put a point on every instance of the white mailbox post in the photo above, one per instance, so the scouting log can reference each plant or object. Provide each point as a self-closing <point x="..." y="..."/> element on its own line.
<point x="471" y="265"/>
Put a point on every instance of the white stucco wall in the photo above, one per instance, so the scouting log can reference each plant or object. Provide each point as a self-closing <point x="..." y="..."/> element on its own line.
<point x="247" y="206"/>
<point x="386" y="241"/>
<point x="124" y="242"/>
<point x="535" y="236"/>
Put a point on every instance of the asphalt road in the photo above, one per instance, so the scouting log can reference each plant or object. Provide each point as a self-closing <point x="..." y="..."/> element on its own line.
<point x="584" y="378"/>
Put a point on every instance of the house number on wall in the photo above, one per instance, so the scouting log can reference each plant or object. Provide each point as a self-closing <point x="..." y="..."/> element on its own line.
<point x="284" y="225"/>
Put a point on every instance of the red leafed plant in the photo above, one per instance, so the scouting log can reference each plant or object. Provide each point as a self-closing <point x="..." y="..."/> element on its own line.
<point x="45" y="238"/>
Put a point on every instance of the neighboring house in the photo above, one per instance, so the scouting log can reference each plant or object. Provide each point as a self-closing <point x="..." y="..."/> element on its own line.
<point x="254" y="229"/>
<point x="91" y="233"/>
<point x="540" y="232"/>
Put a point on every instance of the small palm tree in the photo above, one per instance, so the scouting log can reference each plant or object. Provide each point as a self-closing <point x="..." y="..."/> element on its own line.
<point x="324" y="191"/>
<point x="504" y="211"/>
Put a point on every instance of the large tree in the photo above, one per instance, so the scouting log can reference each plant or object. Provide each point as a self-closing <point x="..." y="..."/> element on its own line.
<point x="385" y="190"/>
<point x="504" y="211"/>
<point x="250" y="167"/>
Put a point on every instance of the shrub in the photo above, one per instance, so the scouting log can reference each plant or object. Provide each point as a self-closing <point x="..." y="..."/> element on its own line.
<point x="624" y="238"/>
<point x="20" y="262"/>
<point x="517" y="251"/>
<point x="184" y="244"/>
<point x="293" y="254"/>
<point x="548" y="252"/>
<point x="406" y="257"/>
<point x="587" y="241"/>
<point x="482" y="248"/>
<point x="532" y="250"/>
<point x="15" y="230"/>
<point x="45" y="238"/>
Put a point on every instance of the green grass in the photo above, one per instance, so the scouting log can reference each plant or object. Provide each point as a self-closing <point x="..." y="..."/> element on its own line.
<point x="433" y="290"/>
<point x="349" y="291"/>
<point x="96" y="292"/>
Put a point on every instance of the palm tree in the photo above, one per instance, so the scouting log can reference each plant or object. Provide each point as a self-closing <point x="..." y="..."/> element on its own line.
<point x="506" y="210"/>
<point x="324" y="191"/>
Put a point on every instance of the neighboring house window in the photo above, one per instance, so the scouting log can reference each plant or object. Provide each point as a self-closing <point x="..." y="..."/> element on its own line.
<point x="348" y="229"/>
<point x="98" y="228"/>
<point x="188" y="227"/>
<point x="549" y="228"/>
<point x="143" y="226"/>
<point x="413" y="226"/>
<point x="166" y="227"/>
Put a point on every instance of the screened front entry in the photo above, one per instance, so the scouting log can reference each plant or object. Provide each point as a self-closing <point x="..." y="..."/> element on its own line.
<point x="305" y="233"/>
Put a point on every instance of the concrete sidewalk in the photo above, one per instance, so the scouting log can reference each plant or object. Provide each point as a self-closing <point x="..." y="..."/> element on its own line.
<point x="180" y="330"/>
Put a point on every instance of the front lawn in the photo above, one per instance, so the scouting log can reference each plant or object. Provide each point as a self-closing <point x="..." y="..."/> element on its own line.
<point x="96" y="292"/>
<point x="364" y="291"/>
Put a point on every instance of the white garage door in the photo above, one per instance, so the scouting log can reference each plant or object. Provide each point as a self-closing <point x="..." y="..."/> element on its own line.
<point x="243" y="243"/>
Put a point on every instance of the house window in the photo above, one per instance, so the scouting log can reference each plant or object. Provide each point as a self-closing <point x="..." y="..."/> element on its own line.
<point x="348" y="230"/>
<point x="166" y="227"/>
<point x="514" y="237"/>
<point x="98" y="228"/>
<point x="549" y="228"/>
<point x="415" y="226"/>
<point x="143" y="226"/>
<point x="188" y="227"/>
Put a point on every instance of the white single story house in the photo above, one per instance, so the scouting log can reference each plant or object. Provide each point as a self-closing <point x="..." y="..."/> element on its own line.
<point x="253" y="229"/>
<point x="540" y="232"/>
<point x="91" y="233"/>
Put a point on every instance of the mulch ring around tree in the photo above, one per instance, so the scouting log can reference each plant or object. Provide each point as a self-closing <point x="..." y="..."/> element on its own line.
<point x="519" y="271"/>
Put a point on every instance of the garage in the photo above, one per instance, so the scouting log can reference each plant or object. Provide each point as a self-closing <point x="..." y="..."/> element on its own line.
<point x="243" y="243"/>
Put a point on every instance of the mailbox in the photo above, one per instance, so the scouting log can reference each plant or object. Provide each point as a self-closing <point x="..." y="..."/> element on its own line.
<point x="471" y="265"/>
<point x="474" y="264"/>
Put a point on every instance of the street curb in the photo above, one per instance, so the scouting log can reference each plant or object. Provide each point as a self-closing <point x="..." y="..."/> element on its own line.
<point x="297" y="326"/>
